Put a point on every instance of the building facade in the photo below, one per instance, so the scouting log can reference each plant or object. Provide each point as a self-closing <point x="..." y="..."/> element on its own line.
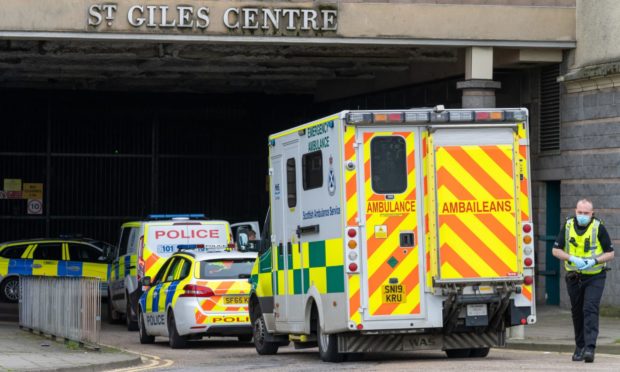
<point x="125" y="108"/>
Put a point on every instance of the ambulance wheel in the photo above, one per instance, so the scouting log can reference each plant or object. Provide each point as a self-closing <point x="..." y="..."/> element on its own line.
<point x="144" y="337"/>
<point x="328" y="345"/>
<point x="479" y="353"/>
<point x="245" y="338"/>
<point x="175" y="340"/>
<point x="132" y="325"/>
<point x="458" y="353"/>
<point x="259" y="332"/>
<point x="9" y="290"/>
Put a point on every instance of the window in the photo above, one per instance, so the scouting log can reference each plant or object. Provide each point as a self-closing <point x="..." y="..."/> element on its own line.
<point x="173" y="268"/>
<point x="122" y="247"/>
<point x="179" y="269"/>
<point x="48" y="251"/>
<point x="160" y="274"/>
<point x="291" y="183"/>
<point x="312" y="170"/>
<point x="226" y="269"/>
<point x="132" y="241"/>
<point x="14" y="251"/>
<point x="388" y="164"/>
<point x="84" y="253"/>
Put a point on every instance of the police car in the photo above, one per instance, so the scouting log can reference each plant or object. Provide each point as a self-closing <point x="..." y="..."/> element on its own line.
<point x="197" y="294"/>
<point x="78" y="257"/>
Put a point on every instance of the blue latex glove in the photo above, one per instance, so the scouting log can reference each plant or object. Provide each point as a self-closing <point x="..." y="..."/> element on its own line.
<point x="577" y="261"/>
<point x="589" y="262"/>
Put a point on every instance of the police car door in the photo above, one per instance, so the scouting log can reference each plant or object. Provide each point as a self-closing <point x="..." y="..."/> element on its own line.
<point x="154" y="301"/>
<point x="393" y="260"/>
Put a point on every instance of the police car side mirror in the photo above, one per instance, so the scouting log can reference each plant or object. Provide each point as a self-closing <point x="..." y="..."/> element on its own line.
<point x="146" y="281"/>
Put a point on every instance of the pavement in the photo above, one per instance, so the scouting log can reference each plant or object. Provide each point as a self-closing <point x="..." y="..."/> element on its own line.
<point x="21" y="350"/>
<point x="553" y="331"/>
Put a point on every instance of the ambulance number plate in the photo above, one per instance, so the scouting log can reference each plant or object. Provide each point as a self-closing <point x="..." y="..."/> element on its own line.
<point x="477" y="310"/>
<point x="235" y="300"/>
<point x="394" y="294"/>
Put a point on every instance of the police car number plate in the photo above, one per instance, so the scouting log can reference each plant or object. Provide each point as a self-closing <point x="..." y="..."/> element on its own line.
<point x="477" y="310"/>
<point x="235" y="300"/>
<point x="394" y="294"/>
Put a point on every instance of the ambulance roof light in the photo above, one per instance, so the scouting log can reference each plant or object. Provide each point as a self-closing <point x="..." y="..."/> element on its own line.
<point x="175" y="216"/>
<point x="489" y="115"/>
<point x="360" y="118"/>
<point x="416" y="117"/>
<point x="465" y="116"/>
<point x="518" y="115"/>
<point x="440" y="117"/>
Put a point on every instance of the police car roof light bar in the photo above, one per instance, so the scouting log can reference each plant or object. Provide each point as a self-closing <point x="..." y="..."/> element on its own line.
<point x="172" y="216"/>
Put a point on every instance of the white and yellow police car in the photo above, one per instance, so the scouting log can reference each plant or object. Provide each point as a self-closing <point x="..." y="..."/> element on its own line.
<point x="197" y="294"/>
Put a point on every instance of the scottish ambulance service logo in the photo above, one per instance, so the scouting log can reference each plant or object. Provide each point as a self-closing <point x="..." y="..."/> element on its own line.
<point x="331" y="178"/>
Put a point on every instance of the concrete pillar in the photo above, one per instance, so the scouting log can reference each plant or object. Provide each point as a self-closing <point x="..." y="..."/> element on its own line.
<point x="478" y="87"/>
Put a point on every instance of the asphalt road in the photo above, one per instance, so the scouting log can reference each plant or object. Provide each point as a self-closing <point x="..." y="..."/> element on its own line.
<point x="227" y="354"/>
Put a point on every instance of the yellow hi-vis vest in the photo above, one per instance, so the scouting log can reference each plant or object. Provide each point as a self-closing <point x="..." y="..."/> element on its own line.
<point x="584" y="246"/>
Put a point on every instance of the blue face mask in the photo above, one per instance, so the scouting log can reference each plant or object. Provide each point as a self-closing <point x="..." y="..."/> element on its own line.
<point x="583" y="219"/>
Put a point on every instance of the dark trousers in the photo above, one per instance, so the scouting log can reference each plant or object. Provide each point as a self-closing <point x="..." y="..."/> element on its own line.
<point x="585" y="292"/>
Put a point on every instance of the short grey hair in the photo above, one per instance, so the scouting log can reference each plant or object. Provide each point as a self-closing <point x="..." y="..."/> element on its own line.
<point x="587" y="201"/>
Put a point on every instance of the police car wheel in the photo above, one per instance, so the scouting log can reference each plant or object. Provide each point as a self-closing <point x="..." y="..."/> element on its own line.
<point x="175" y="340"/>
<point x="479" y="353"/>
<point x="328" y="345"/>
<point x="144" y="337"/>
<point x="131" y="324"/>
<point x="259" y="331"/>
<point x="458" y="353"/>
<point x="9" y="290"/>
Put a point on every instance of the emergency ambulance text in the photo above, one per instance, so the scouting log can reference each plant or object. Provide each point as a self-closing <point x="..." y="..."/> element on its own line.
<point x="476" y="206"/>
<point x="393" y="206"/>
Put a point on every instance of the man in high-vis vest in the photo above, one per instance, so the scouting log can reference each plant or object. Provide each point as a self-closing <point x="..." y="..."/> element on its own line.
<point x="585" y="246"/>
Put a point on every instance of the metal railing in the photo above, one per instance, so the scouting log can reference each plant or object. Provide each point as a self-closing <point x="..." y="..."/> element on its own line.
<point x="61" y="307"/>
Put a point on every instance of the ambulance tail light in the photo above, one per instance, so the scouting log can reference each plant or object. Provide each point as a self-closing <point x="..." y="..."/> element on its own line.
<point x="527" y="242"/>
<point x="352" y="244"/>
<point x="528" y="280"/>
<point x="193" y="290"/>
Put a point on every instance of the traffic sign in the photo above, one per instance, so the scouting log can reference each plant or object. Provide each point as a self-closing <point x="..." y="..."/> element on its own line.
<point x="35" y="206"/>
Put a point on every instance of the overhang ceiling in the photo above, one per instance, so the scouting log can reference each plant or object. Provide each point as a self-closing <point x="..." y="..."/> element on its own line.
<point x="211" y="68"/>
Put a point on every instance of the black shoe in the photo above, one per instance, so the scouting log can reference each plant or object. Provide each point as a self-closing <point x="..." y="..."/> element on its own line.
<point x="578" y="355"/>
<point x="588" y="356"/>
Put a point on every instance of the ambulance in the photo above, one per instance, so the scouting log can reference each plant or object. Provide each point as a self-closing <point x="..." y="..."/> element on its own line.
<point x="142" y="249"/>
<point x="397" y="230"/>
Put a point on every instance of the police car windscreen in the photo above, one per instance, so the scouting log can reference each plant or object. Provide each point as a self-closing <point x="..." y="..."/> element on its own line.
<point x="168" y="239"/>
<point x="226" y="269"/>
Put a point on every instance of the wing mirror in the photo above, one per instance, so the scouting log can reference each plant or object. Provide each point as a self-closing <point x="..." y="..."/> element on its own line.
<point x="146" y="281"/>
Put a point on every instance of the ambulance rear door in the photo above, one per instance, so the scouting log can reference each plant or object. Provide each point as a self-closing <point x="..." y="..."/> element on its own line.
<point x="477" y="214"/>
<point x="393" y="251"/>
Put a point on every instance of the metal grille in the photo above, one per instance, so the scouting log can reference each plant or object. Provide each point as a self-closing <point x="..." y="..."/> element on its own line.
<point x="62" y="307"/>
<point x="549" y="109"/>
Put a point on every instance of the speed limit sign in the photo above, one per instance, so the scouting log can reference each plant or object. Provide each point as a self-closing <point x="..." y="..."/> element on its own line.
<point x="35" y="206"/>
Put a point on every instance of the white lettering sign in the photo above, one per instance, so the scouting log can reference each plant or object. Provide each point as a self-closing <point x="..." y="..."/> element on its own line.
<point x="234" y="19"/>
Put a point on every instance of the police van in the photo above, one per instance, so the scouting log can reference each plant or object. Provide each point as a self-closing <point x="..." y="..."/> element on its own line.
<point x="397" y="230"/>
<point x="142" y="249"/>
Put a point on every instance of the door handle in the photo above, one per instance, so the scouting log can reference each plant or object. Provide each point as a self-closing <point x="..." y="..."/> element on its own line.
<point x="37" y="266"/>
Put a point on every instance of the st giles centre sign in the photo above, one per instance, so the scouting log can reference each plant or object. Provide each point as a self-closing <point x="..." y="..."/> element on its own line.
<point x="200" y="18"/>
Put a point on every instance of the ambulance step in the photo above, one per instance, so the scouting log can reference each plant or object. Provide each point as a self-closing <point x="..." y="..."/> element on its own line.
<point x="473" y="340"/>
<point x="358" y="343"/>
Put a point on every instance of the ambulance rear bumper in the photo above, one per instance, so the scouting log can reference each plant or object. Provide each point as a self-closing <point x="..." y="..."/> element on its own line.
<point x="363" y="343"/>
